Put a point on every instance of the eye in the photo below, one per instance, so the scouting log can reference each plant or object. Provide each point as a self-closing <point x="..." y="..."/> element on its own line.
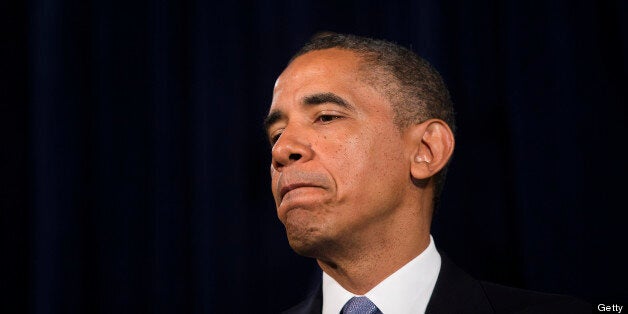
<point x="324" y="118"/>
<point x="275" y="138"/>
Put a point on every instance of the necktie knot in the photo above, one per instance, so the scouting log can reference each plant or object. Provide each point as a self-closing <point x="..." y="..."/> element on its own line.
<point x="360" y="305"/>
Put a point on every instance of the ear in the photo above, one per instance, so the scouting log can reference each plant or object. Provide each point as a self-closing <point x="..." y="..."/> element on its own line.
<point x="432" y="144"/>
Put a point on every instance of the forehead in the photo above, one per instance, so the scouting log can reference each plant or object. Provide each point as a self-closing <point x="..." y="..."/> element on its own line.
<point x="333" y="60"/>
<point x="323" y="77"/>
<point x="320" y="71"/>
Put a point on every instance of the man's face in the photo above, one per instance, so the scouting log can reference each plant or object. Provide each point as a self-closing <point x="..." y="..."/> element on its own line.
<point x="340" y="166"/>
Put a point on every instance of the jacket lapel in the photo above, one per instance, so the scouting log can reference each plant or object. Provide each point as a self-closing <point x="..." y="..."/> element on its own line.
<point x="457" y="292"/>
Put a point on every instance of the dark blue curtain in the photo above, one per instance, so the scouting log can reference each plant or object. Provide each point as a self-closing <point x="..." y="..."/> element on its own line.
<point x="135" y="169"/>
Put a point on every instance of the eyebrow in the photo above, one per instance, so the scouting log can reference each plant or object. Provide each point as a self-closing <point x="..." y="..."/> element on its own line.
<point x="321" y="98"/>
<point x="272" y="118"/>
<point x="308" y="101"/>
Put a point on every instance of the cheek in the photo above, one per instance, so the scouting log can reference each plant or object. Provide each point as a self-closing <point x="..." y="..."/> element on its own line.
<point x="366" y="161"/>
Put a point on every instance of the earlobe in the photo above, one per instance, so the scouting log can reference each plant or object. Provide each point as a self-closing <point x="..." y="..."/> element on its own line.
<point x="433" y="143"/>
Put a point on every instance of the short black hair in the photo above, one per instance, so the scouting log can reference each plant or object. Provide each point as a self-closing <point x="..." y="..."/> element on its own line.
<point x="414" y="87"/>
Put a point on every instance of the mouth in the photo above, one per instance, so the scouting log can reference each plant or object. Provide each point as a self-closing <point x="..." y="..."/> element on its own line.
<point x="288" y="181"/>
<point x="284" y="190"/>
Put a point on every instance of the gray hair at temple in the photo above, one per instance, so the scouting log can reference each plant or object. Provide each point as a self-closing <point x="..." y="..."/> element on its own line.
<point x="414" y="87"/>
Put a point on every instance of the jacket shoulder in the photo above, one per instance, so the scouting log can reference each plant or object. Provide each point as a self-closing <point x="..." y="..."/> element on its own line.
<point x="505" y="299"/>
<point x="312" y="304"/>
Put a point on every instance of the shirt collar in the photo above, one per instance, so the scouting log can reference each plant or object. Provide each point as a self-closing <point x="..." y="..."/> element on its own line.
<point x="408" y="290"/>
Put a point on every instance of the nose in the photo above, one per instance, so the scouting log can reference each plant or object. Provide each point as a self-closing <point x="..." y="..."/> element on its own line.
<point x="291" y="147"/>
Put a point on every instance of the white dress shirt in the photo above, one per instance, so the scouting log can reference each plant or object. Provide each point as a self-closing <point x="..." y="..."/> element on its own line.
<point x="408" y="290"/>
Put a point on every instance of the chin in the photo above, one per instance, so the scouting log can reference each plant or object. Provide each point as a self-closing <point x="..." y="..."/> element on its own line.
<point x="303" y="241"/>
<point x="309" y="233"/>
<point x="307" y="240"/>
<point x="313" y="243"/>
<point x="305" y="248"/>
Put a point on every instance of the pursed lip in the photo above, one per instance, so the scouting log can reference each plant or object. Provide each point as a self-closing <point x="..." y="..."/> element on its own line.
<point x="287" y="188"/>
<point x="291" y="180"/>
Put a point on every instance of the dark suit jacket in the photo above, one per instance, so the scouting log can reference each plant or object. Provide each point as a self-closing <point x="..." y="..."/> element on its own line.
<point x="458" y="292"/>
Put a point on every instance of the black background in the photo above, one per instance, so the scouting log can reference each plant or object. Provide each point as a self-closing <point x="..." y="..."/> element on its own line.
<point x="134" y="172"/>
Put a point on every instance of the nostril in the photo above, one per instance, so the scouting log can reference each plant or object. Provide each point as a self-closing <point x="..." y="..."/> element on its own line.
<point x="295" y="157"/>
<point x="277" y="165"/>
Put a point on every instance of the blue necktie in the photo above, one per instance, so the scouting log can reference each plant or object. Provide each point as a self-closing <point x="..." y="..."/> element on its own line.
<point x="360" y="305"/>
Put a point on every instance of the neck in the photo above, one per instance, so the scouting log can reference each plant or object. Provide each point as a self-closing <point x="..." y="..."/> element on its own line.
<point x="363" y="269"/>
<point x="367" y="257"/>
